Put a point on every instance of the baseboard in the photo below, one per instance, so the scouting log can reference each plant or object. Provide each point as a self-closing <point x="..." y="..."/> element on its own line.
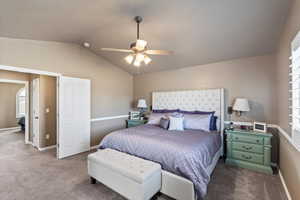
<point x="47" y="148"/>
<point x="17" y="128"/>
<point x="94" y="147"/>
<point x="284" y="186"/>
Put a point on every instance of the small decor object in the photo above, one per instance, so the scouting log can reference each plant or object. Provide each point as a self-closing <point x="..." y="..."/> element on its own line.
<point x="260" y="127"/>
<point x="142" y="106"/>
<point x="241" y="105"/>
<point x="134" y="115"/>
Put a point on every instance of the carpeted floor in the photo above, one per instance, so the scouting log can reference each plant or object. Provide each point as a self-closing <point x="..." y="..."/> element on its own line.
<point x="27" y="174"/>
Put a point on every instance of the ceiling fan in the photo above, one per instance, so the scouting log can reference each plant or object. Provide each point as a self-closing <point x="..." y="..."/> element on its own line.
<point x="139" y="50"/>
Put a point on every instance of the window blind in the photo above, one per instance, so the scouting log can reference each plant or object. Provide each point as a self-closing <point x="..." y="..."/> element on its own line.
<point x="294" y="89"/>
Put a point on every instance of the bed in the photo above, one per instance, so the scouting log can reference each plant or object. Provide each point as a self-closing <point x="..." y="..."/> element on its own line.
<point x="187" y="157"/>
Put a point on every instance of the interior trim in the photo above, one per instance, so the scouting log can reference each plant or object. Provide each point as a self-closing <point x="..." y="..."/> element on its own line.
<point x="17" y="128"/>
<point x="94" y="147"/>
<point x="47" y="148"/>
<point x="285" y="134"/>
<point x="27" y="70"/>
<point x="108" y="118"/>
<point x="284" y="186"/>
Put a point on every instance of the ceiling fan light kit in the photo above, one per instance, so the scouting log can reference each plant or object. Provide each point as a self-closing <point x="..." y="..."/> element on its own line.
<point x="129" y="58"/>
<point x="139" y="49"/>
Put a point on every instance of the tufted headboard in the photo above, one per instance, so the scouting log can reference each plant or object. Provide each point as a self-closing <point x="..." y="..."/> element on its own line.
<point x="191" y="100"/>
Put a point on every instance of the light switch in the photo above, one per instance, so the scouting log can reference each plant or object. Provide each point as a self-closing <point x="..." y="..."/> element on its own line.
<point x="47" y="110"/>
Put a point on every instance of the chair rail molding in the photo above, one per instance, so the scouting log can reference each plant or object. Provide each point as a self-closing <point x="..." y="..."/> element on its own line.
<point x="108" y="118"/>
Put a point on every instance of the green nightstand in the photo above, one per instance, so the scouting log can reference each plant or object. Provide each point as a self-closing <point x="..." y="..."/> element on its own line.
<point x="248" y="149"/>
<point x="133" y="123"/>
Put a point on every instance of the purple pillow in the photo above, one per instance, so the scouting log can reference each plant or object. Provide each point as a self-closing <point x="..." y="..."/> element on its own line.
<point x="213" y="119"/>
<point x="154" y="118"/>
<point x="197" y="122"/>
<point x="165" y="111"/>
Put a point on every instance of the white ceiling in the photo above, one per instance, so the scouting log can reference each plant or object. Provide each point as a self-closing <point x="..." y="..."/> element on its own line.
<point x="198" y="31"/>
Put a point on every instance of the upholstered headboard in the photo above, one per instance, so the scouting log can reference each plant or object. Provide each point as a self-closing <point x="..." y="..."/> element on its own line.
<point x="191" y="100"/>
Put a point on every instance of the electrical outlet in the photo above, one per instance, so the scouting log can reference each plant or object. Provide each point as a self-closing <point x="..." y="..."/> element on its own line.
<point x="47" y="136"/>
<point x="47" y="110"/>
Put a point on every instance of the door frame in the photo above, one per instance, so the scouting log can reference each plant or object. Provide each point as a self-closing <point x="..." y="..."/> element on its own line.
<point x="26" y="83"/>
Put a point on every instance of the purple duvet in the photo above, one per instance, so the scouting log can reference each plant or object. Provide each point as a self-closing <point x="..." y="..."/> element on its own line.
<point x="185" y="153"/>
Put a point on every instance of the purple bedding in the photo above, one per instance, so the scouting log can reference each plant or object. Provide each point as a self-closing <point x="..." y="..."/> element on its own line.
<point x="185" y="153"/>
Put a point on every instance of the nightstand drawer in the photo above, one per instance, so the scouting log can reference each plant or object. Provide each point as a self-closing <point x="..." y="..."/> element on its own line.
<point x="248" y="139"/>
<point x="253" y="148"/>
<point x="133" y="123"/>
<point x="250" y="157"/>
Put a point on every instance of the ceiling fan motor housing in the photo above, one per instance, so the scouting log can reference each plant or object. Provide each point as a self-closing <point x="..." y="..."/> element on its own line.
<point x="138" y="19"/>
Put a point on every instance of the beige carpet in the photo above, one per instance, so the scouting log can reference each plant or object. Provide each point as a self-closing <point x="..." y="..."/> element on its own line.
<point x="27" y="174"/>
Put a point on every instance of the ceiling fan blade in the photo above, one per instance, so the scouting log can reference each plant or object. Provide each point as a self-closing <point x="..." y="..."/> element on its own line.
<point x="158" y="52"/>
<point x="118" y="50"/>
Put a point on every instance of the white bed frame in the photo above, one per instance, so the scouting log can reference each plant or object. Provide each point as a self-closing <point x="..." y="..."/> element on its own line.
<point x="190" y="100"/>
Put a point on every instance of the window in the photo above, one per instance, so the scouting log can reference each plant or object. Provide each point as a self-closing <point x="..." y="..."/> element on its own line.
<point x="20" y="103"/>
<point x="295" y="91"/>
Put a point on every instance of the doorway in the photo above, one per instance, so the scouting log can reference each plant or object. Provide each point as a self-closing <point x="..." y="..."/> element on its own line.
<point x="15" y="103"/>
<point x="72" y="113"/>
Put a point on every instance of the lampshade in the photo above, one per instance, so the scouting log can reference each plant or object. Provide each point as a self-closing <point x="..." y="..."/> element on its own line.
<point x="241" y="104"/>
<point x="142" y="103"/>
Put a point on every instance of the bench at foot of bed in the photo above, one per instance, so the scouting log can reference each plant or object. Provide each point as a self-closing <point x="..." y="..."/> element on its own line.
<point x="130" y="176"/>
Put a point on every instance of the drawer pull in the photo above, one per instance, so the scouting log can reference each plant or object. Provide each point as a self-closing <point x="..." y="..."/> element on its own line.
<point x="247" y="157"/>
<point x="247" y="148"/>
<point x="236" y="138"/>
<point x="257" y="141"/>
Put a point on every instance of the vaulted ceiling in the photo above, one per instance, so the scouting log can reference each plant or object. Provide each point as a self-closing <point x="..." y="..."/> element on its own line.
<point x="198" y="31"/>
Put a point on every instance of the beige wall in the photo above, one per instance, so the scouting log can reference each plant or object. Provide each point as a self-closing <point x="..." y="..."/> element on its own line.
<point x="247" y="77"/>
<point x="8" y="93"/>
<point x="112" y="88"/>
<point x="289" y="156"/>
<point x="47" y="99"/>
<point x="13" y="75"/>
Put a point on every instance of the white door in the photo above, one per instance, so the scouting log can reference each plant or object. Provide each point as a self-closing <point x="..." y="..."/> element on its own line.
<point x="74" y="116"/>
<point x="35" y="112"/>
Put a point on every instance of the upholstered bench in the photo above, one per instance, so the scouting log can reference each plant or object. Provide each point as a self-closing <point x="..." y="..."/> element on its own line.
<point x="130" y="176"/>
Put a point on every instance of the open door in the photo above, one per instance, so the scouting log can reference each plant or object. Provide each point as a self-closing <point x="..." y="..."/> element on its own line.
<point x="74" y="113"/>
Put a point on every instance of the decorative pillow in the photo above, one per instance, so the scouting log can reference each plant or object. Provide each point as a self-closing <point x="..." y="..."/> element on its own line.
<point x="197" y="122"/>
<point x="213" y="123"/>
<point x="176" y="123"/>
<point x="165" y="111"/>
<point x="164" y="123"/>
<point x="154" y="118"/>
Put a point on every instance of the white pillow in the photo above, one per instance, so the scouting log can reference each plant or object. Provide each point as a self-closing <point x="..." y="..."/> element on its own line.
<point x="197" y="122"/>
<point x="176" y="123"/>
